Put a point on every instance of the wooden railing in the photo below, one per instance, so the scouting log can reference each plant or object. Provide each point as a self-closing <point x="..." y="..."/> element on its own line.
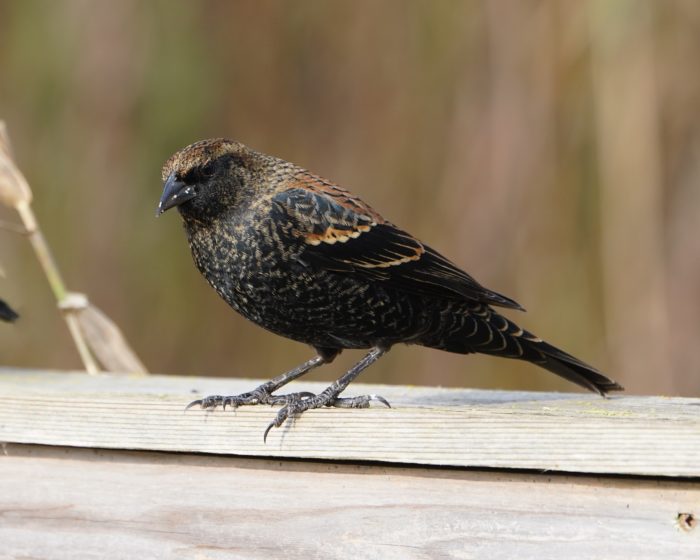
<point x="444" y="473"/>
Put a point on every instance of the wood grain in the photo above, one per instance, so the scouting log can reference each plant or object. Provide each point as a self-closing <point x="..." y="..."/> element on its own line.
<point x="66" y="503"/>
<point x="463" y="428"/>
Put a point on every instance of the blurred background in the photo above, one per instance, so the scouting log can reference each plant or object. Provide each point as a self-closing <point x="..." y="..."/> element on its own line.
<point x="551" y="148"/>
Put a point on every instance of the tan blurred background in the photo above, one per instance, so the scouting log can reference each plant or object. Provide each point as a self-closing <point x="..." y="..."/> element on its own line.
<point x="551" y="148"/>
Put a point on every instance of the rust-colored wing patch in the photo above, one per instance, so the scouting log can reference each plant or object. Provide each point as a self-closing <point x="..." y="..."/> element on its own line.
<point x="344" y="233"/>
<point x="341" y="198"/>
<point x="333" y="235"/>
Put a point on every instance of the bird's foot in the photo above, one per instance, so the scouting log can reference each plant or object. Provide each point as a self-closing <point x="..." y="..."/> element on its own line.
<point x="259" y="395"/>
<point x="297" y="403"/>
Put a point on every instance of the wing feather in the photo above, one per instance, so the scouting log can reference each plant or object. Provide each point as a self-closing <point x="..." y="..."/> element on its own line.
<point x="341" y="233"/>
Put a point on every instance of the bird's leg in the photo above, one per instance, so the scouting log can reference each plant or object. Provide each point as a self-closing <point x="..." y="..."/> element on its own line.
<point x="263" y="393"/>
<point x="329" y="396"/>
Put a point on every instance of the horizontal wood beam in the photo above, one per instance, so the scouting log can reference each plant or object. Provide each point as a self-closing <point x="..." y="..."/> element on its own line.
<point x="571" y="432"/>
<point x="66" y="503"/>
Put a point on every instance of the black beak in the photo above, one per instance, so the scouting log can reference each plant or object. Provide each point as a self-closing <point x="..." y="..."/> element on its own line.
<point x="175" y="193"/>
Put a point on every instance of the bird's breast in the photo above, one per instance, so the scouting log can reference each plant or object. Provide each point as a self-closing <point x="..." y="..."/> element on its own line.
<point x="271" y="286"/>
<point x="249" y="268"/>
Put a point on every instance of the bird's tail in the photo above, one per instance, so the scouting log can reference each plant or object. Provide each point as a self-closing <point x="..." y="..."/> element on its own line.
<point x="492" y="333"/>
<point x="565" y="365"/>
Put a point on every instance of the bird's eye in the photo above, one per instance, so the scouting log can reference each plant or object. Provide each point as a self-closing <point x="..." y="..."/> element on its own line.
<point x="207" y="170"/>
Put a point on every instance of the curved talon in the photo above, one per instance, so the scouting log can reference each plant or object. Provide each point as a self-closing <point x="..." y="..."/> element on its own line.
<point x="281" y="416"/>
<point x="380" y="399"/>
<point x="208" y="402"/>
<point x="267" y="431"/>
<point x="193" y="403"/>
<point x="363" y="401"/>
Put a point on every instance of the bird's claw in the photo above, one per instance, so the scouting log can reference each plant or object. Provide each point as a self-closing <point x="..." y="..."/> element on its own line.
<point x="358" y="402"/>
<point x="193" y="403"/>
<point x="296" y="403"/>
<point x="211" y="401"/>
<point x="381" y="400"/>
<point x="280" y="417"/>
<point x="293" y="404"/>
<point x="260" y="395"/>
<point x="301" y="402"/>
<point x="257" y="396"/>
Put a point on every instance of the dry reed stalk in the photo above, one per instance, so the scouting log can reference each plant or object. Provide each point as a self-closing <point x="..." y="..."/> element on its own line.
<point x="96" y="337"/>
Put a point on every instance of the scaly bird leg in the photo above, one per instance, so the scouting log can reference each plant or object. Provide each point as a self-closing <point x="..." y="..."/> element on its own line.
<point x="300" y="402"/>
<point x="263" y="393"/>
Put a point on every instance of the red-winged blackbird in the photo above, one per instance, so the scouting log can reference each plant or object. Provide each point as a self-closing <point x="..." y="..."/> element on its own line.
<point x="7" y="313"/>
<point x="305" y="259"/>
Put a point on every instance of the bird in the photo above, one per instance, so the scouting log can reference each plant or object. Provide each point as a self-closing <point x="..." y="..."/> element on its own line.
<point x="308" y="260"/>
<point x="7" y="313"/>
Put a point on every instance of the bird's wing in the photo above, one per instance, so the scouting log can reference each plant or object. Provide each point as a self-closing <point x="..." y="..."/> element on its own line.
<point x="343" y="234"/>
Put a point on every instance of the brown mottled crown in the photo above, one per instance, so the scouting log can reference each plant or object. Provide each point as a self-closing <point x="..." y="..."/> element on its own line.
<point x="200" y="153"/>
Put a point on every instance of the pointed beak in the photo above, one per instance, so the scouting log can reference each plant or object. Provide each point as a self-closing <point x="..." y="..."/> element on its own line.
<point x="175" y="193"/>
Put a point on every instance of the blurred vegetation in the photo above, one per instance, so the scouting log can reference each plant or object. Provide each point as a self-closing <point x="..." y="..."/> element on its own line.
<point x="551" y="148"/>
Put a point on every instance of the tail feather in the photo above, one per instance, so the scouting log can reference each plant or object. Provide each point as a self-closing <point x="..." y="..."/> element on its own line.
<point x="492" y="333"/>
<point x="572" y="369"/>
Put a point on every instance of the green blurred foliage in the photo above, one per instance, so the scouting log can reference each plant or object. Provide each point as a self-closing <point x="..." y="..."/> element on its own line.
<point x="551" y="148"/>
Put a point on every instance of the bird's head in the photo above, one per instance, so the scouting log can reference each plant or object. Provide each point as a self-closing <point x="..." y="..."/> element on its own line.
<point x="207" y="178"/>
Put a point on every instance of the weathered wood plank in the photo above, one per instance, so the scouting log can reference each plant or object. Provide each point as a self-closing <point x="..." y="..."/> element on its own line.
<point x="64" y="503"/>
<point x="547" y="431"/>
